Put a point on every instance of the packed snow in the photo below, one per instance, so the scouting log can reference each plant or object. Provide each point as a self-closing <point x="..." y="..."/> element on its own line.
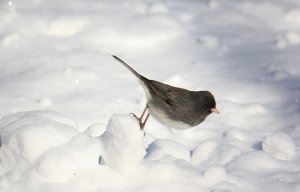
<point x="65" y="102"/>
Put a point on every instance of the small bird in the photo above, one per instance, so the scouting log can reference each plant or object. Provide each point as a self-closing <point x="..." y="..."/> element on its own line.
<point x="173" y="106"/>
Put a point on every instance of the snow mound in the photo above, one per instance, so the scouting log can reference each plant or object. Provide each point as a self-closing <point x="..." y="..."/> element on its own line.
<point x="27" y="135"/>
<point x="96" y="129"/>
<point x="211" y="153"/>
<point x="214" y="175"/>
<point x="258" y="161"/>
<point x="162" y="148"/>
<point x="124" y="143"/>
<point x="66" y="161"/>
<point x="280" y="145"/>
<point x="203" y="152"/>
<point x="228" y="153"/>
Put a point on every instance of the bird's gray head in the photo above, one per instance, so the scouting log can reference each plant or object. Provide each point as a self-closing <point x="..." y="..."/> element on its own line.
<point x="209" y="103"/>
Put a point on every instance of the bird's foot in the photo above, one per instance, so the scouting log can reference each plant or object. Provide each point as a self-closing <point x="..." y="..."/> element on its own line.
<point x="141" y="123"/>
<point x="134" y="115"/>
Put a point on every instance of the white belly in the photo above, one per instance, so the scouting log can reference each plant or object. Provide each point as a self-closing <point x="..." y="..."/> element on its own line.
<point x="160" y="116"/>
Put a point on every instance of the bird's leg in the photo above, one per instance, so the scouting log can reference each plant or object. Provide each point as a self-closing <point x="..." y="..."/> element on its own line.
<point x="143" y="113"/>
<point x="141" y="123"/>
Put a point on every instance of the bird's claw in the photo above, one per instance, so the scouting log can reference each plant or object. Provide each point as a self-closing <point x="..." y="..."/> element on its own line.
<point x="142" y="125"/>
<point x="134" y="115"/>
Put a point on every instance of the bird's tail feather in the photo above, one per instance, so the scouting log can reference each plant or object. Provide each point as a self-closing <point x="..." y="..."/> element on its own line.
<point x="128" y="67"/>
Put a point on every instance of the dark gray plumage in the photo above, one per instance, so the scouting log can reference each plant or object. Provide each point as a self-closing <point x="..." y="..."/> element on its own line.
<point x="175" y="107"/>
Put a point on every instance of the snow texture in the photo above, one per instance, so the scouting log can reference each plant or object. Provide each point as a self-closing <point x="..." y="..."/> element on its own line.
<point x="65" y="102"/>
<point x="280" y="146"/>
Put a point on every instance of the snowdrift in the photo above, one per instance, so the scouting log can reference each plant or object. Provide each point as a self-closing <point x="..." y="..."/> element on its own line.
<point x="42" y="148"/>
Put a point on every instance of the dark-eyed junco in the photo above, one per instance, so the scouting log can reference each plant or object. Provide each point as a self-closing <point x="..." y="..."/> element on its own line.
<point x="172" y="106"/>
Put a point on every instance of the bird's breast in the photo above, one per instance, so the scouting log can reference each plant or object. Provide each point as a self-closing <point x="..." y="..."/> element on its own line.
<point x="163" y="118"/>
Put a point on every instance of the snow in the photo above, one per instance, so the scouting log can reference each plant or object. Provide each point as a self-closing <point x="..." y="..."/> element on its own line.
<point x="163" y="148"/>
<point x="62" y="163"/>
<point x="280" y="145"/>
<point x="123" y="143"/>
<point x="65" y="102"/>
<point x="30" y="134"/>
<point x="214" y="175"/>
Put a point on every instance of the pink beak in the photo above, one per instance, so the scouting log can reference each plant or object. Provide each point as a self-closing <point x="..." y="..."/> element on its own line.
<point x="215" y="110"/>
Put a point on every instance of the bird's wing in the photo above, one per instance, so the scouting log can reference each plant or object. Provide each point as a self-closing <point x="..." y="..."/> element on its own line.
<point x="168" y="93"/>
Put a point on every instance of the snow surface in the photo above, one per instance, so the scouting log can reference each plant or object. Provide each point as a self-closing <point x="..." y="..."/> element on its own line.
<point x="65" y="102"/>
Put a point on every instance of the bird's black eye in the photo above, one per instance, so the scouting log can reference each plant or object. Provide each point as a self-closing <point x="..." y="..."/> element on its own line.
<point x="206" y="105"/>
